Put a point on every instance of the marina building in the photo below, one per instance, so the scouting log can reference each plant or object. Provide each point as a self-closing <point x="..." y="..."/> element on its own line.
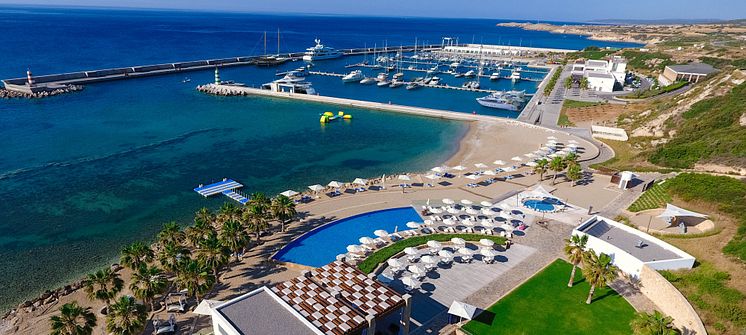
<point x="692" y="73"/>
<point x="497" y="51"/>
<point x="336" y="299"/>
<point x="631" y="249"/>
<point x="602" y="75"/>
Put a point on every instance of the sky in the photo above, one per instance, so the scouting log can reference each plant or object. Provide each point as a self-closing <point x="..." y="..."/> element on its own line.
<point x="548" y="10"/>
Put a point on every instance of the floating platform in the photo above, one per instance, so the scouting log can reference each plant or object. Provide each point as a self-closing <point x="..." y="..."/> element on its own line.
<point x="226" y="187"/>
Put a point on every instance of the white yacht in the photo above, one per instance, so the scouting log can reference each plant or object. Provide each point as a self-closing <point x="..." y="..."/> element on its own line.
<point x="396" y="83"/>
<point x="495" y="76"/>
<point x="434" y="81"/>
<point x="510" y="100"/>
<point x="354" y="76"/>
<point x="368" y="81"/>
<point x="290" y="84"/>
<point x="320" y="51"/>
<point x="515" y="75"/>
<point x="470" y="73"/>
<point x="399" y="75"/>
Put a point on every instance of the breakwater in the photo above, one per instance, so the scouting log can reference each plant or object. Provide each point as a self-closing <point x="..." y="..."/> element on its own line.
<point x="54" y="82"/>
<point x="9" y="94"/>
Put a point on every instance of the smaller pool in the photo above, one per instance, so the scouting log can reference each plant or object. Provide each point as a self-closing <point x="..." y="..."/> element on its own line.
<point x="542" y="205"/>
<point x="321" y="246"/>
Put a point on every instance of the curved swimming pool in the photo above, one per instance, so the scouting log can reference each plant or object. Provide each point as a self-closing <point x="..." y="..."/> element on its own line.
<point x="542" y="205"/>
<point x="321" y="246"/>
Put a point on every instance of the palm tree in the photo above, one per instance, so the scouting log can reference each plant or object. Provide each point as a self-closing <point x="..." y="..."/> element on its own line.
<point x="213" y="254"/>
<point x="283" y="209"/>
<point x="227" y="212"/>
<point x="136" y="254"/>
<point x="170" y="233"/>
<point x="234" y="237"/>
<point x="261" y="200"/>
<point x="199" y="232"/>
<point x="571" y="159"/>
<point x="574" y="173"/>
<point x="171" y="255"/>
<point x="598" y="271"/>
<point x="255" y="217"/>
<point x="126" y="317"/>
<point x="103" y="285"/>
<point x="204" y="215"/>
<point x="73" y="320"/>
<point x="194" y="277"/>
<point x="557" y="164"/>
<point x="147" y="282"/>
<point x="653" y="324"/>
<point x="541" y="168"/>
<point x="575" y="249"/>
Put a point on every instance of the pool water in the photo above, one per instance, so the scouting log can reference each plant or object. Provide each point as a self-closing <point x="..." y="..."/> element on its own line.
<point x="545" y="205"/>
<point x="321" y="246"/>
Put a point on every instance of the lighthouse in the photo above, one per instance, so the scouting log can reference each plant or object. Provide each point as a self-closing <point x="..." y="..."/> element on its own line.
<point x="29" y="77"/>
<point x="217" y="76"/>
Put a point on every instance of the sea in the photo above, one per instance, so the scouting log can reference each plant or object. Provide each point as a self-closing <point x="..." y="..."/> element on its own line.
<point x="83" y="174"/>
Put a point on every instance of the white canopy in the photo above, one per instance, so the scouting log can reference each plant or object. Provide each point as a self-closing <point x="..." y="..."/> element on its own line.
<point x="459" y="168"/>
<point x="360" y="181"/>
<point x="488" y="252"/>
<point x="366" y="240"/>
<point x="410" y="251"/>
<point x="413" y="225"/>
<point x="490" y="173"/>
<point x="445" y="254"/>
<point x="404" y="177"/>
<point x="486" y="242"/>
<point x="433" y="244"/>
<point x="394" y="262"/>
<point x="499" y="162"/>
<point x="416" y="269"/>
<point x="517" y="159"/>
<point x="480" y="166"/>
<point x="458" y="241"/>
<point x="673" y="211"/>
<point x="472" y="177"/>
<point x="431" y="176"/>
<point x="532" y="164"/>
<point x="429" y="259"/>
<point x="447" y="201"/>
<point x="205" y="306"/>
<point x="538" y="192"/>
<point x="316" y="188"/>
<point x="354" y="248"/>
<point x="381" y="233"/>
<point x="410" y="282"/>
<point x="289" y="193"/>
<point x="334" y="184"/>
<point x="486" y="204"/>
<point x="438" y="169"/>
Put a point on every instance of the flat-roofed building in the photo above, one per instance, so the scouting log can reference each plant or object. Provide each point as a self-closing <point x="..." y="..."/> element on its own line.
<point x="631" y="249"/>
<point x="336" y="299"/>
<point x="602" y="75"/>
<point x="692" y="72"/>
<point x="600" y="81"/>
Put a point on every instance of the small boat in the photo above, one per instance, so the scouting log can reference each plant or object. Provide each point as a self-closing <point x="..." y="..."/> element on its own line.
<point x="354" y="76"/>
<point x="399" y="75"/>
<point x="396" y="83"/>
<point x="515" y="75"/>
<point x="382" y="83"/>
<point x="382" y="76"/>
<point x="413" y="85"/>
<point x="368" y="81"/>
<point x="434" y="81"/>
<point x="458" y="75"/>
<point x="495" y="76"/>
<point x="470" y="74"/>
<point x="186" y="80"/>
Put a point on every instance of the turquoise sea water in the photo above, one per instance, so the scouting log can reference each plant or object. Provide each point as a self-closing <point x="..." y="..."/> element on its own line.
<point x="83" y="174"/>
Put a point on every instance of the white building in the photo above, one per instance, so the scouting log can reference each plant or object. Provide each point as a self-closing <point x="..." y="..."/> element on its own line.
<point x="602" y="75"/>
<point x="630" y="248"/>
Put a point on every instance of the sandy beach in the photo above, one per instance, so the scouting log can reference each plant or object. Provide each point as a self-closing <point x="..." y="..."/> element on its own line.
<point x="487" y="139"/>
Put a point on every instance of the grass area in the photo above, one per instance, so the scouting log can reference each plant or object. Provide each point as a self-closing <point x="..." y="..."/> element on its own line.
<point x="552" y="81"/>
<point x="728" y="194"/>
<point x="380" y="256"/>
<point x="656" y="92"/>
<point x="545" y="305"/>
<point x="564" y="120"/>
<point x="722" y="308"/>
<point x="654" y="197"/>
<point x="710" y="130"/>
<point x="591" y="53"/>
<point x="579" y="104"/>
<point x="650" y="61"/>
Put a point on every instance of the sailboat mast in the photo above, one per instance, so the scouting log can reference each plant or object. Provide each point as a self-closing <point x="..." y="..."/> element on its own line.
<point x="265" y="43"/>
<point x="278" y="41"/>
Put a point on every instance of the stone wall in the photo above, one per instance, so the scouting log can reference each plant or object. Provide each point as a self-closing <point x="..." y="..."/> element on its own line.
<point x="670" y="301"/>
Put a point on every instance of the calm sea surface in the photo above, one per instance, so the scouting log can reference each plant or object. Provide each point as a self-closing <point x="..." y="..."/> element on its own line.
<point x="83" y="174"/>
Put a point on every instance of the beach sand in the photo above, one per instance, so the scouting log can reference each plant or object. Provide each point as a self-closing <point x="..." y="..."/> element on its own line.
<point x="486" y="140"/>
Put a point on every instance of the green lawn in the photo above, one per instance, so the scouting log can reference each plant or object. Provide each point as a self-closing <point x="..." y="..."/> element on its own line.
<point x="654" y="197"/>
<point x="580" y="104"/>
<point x="545" y="305"/>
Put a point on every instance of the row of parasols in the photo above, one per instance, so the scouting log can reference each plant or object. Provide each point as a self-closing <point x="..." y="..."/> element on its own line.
<point x="548" y="150"/>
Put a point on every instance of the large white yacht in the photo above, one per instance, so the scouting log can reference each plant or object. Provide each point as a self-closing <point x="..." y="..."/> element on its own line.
<point x="510" y="100"/>
<point x="290" y="84"/>
<point x="354" y="76"/>
<point x="320" y="51"/>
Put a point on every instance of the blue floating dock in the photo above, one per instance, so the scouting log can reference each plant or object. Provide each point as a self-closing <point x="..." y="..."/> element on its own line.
<point x="226" y="187"/>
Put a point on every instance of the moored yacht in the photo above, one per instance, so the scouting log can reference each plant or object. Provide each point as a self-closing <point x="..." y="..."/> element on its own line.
<point x="290" y="84"/>
<point x="354" y="76"/>
<point x="510" y="100"/>
<point x="368" y="81"/>
<point x="320" y="51"/>
<point x="495" y="76"/>
<point x="470" y="73"/>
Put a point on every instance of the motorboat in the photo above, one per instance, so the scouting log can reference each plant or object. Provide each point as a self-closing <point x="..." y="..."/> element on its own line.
<point x="354" y="76"/>
<point x="510" y="100"/>
<point x="515" y="75"/>
<point x="458" y="75"/>
<point x="396" y="83"/>
<point x="382" y="83"/>
<point x="432" y="70"/>
<point x="495" y="76"/>
<point x="413" y="85"/>
<point x="398" y="75"/>
<point x="382" y="76"/>
<point x="470" y="73"/>
<point x="434" y="81"/>
<point x="320" y="51"/>
<point x="368" y="81"/>
<point x="290" y="84"/>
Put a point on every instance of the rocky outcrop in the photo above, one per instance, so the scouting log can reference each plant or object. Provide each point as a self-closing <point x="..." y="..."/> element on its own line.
<point x="8" y="94"/>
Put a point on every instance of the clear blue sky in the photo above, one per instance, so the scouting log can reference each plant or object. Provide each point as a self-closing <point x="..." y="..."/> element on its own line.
<point x="570" y="10"/>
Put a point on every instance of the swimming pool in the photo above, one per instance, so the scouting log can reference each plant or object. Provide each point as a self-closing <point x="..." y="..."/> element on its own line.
<point x="321" y="246"/>
<point x="542" y="205"/>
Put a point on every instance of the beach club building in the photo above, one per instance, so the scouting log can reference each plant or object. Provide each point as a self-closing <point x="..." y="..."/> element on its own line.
<point x="336" y="299"/>
<point x="602" y="75"/>
<point x="692" y="73"/>
<point x="630" y="248"/>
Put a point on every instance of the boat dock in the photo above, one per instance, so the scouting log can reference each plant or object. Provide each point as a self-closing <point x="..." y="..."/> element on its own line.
<point x="50" y="82"/>
<point x="332" y="74"/>
<point x="226" y="187"/>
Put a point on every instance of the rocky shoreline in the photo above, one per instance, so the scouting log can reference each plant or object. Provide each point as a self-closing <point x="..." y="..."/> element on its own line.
<point x="213" y="89"/>
<point x="593" y="32"/>
<point x="7" y="94"/>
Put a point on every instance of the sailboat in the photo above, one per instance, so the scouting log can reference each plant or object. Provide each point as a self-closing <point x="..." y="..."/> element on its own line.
<point x="271" y="60"/>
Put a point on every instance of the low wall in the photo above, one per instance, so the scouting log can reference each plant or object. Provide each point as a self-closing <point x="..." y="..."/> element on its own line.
<point x="617" y="134"/>
<point x="670" y="301"/>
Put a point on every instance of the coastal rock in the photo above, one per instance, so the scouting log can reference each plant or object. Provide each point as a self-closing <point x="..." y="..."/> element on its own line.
<point x="116" y="267"/>
<point x="7" y="94"/>
<point x="25" y="304"/>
